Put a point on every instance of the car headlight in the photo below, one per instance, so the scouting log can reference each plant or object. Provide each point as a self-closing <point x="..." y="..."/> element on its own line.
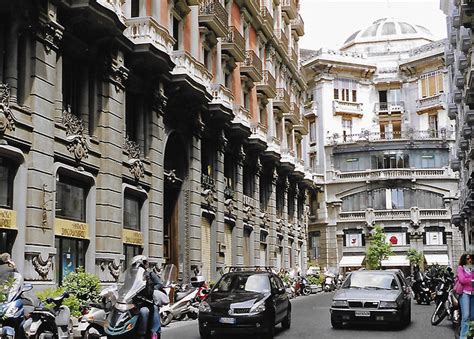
<point x="257" y="308"/>
<point x="388" y="304"/>
<point x="339" y="303"/>
<point x="11" y="311"/>
<point x="204" y="307"/>
<point x="123" y="307"/>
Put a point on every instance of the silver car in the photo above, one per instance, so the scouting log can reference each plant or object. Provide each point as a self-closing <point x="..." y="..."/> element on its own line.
<point x="372" y="297"/>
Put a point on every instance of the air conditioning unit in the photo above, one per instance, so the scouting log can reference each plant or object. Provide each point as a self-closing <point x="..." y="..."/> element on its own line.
<point x="448" y="57"/>
<point x="465" y="39"/>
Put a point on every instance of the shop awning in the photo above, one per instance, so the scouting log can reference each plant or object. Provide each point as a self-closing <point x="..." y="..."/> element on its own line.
<point x="440" y="259"/>
<point x="396" y="260"/>
<point x="351" y="261"/>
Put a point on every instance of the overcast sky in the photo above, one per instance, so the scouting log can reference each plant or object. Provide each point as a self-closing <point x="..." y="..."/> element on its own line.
<point x="328" y="23"/>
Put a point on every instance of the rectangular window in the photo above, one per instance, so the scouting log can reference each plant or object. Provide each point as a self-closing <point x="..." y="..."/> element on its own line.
<point x="176" y="23"/>
<point x="353" y="239"/>
<point x="312" y="132"/>
<point x="431" y="84"/>
<point x="354" y="95"/>
<point x="71" y="200"/>
<point x="336" y="94"/>
<point x="313" y="161"/>
<point x="131" y="213"/>
<point x="396" y="238"/>
<point x="346" y="87"/>
<point x="434" y="238"/>
<point x="6" y="185"/>
<point x="71" y="255"/>
<point x="248" y="182"/>
<point x="313" y="204"/>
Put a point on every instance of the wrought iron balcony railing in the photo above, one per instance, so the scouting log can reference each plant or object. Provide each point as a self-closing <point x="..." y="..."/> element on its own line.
<point x="267" y="85"/>
<point x="252" y="66"/>
<point x="282" y="100"/>
<point x="213" y="15"/>
<point x="390" y="107"/>
<point x="290" y="8"/>
<point x="298" y="25"/>
<point x="234" y="44"/>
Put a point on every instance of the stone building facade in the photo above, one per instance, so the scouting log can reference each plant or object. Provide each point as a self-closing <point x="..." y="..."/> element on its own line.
<point x="380" y="141"/>
<point x="168" y="128"/>
<point x="458" y="59"/>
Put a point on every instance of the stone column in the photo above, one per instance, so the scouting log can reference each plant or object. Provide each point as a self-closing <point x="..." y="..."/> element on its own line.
<point x="39" y="247"/>
<point x="272" y="232"/>
<point x="220" y="186"/>
<point x="109" y="246"/>
<point x="238" y="232"/>
<point x="11" y="60"/>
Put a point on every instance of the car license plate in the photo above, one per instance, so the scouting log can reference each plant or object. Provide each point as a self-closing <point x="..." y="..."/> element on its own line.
<point x="362" y="313"/>
<point x="227" y="320"/>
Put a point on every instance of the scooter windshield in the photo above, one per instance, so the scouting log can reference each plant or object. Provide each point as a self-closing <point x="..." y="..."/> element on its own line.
<point x="134" y="282"/>
<point x="10" y="284"/>
<point x="169" y="274"/>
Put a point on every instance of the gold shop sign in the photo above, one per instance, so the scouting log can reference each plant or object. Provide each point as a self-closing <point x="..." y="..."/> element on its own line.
<point x="71" y="229"/>
<point x="7" y="219"/>
<point x="132" y="237"/>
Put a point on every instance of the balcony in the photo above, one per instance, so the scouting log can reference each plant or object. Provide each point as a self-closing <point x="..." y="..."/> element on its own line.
<point x="409" y="135"/>
<point x="311" y="109"/>
<point x="253" y="6"/>
<point x="290" y="8"/>
<point x="394" y="174"/>
<point x="273" y="145"/>
<point x="242" y="116"/>
<point x="146" y="30"/>
<point x="267" y="18"/>
<point x="389" y="107"/>
<point x="431" y="103"/>
<point x="221" y="95"/>
<point x="347" y="108"/>
<point x="259" y="131"/>
<point x="288" y="159"/>
<point x="214" y="16"/>
<point x="413" y="214"/>
<point x="301" y="126"/>
<point x="298" y="25"/>
<point x="267" y="85"/>
<point x="281" y="39"/>
<point x="252" y="66"/>
<point x="115" y="6"/>
<point x="234" y="44"/>
<point x="282" y="100"/>
<point x="185" y="64"/>
<point x="294" y="114"/>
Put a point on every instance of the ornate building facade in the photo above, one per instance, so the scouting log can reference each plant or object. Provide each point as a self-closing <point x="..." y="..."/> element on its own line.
<point x="169" y="128"/>
<point x="380" y="141"/>
<point x="458" y="59"/>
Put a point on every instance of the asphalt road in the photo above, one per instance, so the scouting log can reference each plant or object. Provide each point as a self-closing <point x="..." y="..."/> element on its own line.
<point x="310" y="319"/>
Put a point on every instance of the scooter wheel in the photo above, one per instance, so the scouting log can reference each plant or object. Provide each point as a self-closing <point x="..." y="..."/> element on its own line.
<point x="166" y="318"/>
<point x="306" y="291"/>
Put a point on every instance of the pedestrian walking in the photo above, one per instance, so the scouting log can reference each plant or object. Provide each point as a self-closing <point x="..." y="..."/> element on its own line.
<point x="466" y="279"/>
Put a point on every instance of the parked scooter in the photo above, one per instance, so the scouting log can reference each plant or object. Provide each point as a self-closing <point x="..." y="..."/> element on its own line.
<point x="92" y="323"/>
<point x="53" y="323"/>
<point x="329" y="283"/>
<point x="305" y="288"/>
<point x="441" y="297"/>
<point x="14" y="307"/>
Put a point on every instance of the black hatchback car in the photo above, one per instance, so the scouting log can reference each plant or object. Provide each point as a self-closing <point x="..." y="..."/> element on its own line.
<point x="372" y="297"/>
<point x="245" y="301"/>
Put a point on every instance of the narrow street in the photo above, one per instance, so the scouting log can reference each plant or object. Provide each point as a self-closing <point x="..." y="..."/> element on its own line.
<point x="311" y="320"/>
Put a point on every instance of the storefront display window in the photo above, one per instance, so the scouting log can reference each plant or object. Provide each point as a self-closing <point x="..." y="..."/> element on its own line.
<point x="71" y="254"/>
<point x="70" y="200"/>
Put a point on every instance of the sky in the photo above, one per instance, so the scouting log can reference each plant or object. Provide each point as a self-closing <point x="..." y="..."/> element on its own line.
<point x="328" y="23"/>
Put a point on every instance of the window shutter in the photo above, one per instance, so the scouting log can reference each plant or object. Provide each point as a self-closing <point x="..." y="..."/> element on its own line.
<point x="444" y="238"/>
<point x="432" y="85"/>
<point x="424" y="238"/>
<point x="408" y="238"/>
<point x="344" y="240"/>
<point x="423" y="87"/>
<point x="363" y="239"/>
<point x="440" y="83"/>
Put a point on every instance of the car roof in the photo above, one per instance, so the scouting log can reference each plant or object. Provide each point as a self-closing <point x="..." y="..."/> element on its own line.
<point x="376" y="272"/>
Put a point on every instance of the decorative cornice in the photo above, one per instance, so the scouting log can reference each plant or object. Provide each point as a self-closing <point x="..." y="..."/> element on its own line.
<point x="50" y="33"/>
<point x="6" y="116"/>
<point x="77" y="143"/>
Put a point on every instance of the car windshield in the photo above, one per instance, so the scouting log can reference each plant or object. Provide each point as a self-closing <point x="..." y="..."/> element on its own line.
<point x="369" y="280"/>
<point x="243" y="283"/>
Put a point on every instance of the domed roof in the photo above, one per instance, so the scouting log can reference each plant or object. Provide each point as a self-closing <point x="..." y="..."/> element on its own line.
<point x="388" y="29"/>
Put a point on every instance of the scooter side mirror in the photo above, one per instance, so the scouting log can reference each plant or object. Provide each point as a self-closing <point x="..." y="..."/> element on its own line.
<point x="27" y="287"/>
<point x="281" y="290"/>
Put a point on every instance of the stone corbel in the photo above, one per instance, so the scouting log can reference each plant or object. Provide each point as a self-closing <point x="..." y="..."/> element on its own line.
<point x="114" y="269"/>
<point x="49" y="32"/>
<point x="136" y="166"/>
<point x="160" y="100"/>
<point x="229" y="204"/>
<point x="241" y="156"/>
<point x="42" y="267"/>
<point x="116" y="72"/>
<point x="7" y="121"/>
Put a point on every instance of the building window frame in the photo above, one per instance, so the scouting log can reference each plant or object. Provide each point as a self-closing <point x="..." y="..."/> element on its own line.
<point x="6" y="180"/>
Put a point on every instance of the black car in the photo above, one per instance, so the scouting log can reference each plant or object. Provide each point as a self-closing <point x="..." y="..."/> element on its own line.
<point x="245" y="301"/>
<point x="372" y="297"/>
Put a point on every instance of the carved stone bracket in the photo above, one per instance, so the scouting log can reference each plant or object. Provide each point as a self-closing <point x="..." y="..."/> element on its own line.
<point x="42" y="267"/>
<point x="77" y="143"/>
<point x="114" y="269"/>
<point x="258" y="167"/>
<point x="136" y="166"/>
<point x="160" y="100"/>
<point x="208" y="196"/>
<point x="370" y="218"/>
<point x="248" y="211"/>
<point x="222" y="142"/>
<point x="116" y="71"/>
<point x="6" y="116"/>
<point x="275" y="176"/>
<point x="241" y="156"/>
<point x="229" y="204"/>
<point x="50" y="33"/>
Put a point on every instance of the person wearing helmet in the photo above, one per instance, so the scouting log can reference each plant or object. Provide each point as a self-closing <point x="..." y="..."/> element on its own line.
<point x="152" y="282"/>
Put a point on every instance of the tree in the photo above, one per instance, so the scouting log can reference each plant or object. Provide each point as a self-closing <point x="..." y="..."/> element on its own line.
<point x="379" y="249"/>
<point x="415" y="257"/>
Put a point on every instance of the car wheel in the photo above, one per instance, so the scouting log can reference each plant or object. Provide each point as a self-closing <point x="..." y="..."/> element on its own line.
<point x="205" y="334"/>
<point x="286" y="322"/>
<point x="438" y="314"/>
<point x="335" y="324"/>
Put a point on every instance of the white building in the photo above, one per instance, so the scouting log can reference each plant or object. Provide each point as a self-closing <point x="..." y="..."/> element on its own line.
<point x="380" y="142"/>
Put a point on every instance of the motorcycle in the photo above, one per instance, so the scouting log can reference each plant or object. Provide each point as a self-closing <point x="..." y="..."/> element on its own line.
<point x="124" y="317"/>
<point x="441" y="297"/>
<point x="15" y="307"/>
<point x="305" y="288"/>
<point x="329" y="284"/>
<point x="47" y="323"/>
<point x="422" y="292"/>
<point x="186" y="302"/>
<point x="92" y="322"/>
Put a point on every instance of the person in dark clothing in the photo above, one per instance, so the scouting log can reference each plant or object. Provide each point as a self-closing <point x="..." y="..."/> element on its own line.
<point x="417" y="280"/>
<point x="152" y="282"/>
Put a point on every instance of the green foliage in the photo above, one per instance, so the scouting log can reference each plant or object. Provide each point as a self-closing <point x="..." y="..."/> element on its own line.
<point x="85" y="286"/>
<point x="321" y="279"/>
<point x="211" y="284"/>
<point x="313" y="280"/>
<point x="72" y="302"/>
<point x="415" y="257"/>
<point x="5" y="287"/>
<point x="378" y="249"/>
